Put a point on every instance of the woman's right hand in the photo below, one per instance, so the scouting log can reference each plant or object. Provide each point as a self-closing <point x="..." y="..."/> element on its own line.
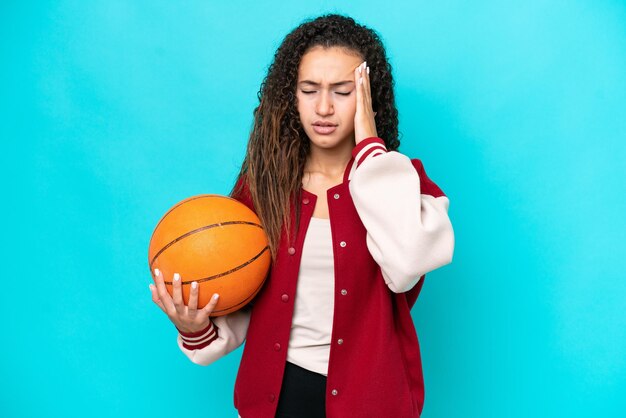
<point x="187" y="318"/>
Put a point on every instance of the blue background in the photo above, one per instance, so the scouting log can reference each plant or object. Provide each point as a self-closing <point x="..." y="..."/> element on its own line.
<point x="112" y="111"/>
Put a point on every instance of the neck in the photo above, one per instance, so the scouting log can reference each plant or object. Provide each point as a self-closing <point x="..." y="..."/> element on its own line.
<point x="330" y="162"/>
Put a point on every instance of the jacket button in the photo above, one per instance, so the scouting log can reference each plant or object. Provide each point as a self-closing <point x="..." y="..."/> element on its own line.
<point x="291" y="251"/>
<point x="271" y="397"/>
<point x="284" y="297"/>
<point x="340" y="341"/>
<point x="344" y="292"/>
<point x="336" y="196"/>
<point x="334" y="392"/>
<point x="343" y="243"/>
<point x="277" y="347"/>
<point x="306" y="200"/>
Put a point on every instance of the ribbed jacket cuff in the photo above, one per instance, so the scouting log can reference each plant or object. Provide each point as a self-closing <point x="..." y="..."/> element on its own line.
<point x="199" y="339"/>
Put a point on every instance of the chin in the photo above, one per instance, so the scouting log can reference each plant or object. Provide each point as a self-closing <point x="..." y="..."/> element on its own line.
<point x="324" y="141"/>
<point x="328" y="141"/>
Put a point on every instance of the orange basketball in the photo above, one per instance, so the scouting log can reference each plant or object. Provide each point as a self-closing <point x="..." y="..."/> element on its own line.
<point x="216" y="241"/>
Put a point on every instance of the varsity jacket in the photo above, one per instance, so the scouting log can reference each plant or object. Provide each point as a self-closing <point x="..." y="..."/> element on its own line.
<point x="390" y="226"/>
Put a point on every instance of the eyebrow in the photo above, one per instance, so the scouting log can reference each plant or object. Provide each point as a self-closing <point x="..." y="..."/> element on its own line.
<point x="313" y="83"/>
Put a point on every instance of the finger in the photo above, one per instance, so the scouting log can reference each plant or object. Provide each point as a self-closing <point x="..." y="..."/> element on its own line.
<point x="193" y="297"/>
<point x="155" y="297"/>
<point x="367" y="86"/>
<point x="357" y="83"/>
<point x="362" y="74"/>
<point x="178" y="294"/>
<point x="164" y="296"/>
<point x="208" y="309"/>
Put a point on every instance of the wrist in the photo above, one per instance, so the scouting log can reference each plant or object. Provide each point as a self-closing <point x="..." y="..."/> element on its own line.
<point x="194" y="332"/>
<point x="199" y="339"/>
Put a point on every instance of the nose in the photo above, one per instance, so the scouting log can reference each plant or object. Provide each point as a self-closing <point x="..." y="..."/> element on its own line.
<point x="324" y="105"/>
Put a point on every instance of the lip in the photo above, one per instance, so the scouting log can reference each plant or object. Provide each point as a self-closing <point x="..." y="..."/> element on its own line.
<point x="324" y="130"/>
<point x="324" y="127"/>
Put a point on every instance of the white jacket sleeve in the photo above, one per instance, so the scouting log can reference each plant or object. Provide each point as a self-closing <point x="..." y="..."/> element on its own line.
<point x="409" y="232"/>
<point x="223" y="335"/>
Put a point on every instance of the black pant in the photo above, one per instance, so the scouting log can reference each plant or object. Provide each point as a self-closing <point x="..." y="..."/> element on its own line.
<point x="303" y="394"/>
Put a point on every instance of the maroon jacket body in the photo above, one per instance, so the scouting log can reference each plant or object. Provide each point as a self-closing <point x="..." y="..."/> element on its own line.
<point x="376" y="370"/>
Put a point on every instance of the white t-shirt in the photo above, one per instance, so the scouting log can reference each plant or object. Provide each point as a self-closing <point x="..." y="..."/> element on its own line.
<point x="311" y="328"/>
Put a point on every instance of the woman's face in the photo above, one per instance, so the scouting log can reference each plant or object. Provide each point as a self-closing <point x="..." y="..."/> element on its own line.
<point x="326" y="93"/>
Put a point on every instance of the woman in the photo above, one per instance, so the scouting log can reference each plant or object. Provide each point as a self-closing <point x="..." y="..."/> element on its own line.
<point x="352" y="225"/>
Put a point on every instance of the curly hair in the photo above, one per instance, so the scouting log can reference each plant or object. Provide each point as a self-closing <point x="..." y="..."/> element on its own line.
<point x="278" y="146"/>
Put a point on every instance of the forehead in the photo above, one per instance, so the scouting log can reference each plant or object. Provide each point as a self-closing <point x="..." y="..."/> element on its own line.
<point x="328" y="64"/>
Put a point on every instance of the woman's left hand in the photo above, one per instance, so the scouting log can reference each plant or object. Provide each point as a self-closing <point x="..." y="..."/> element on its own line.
<point x="364" y="124"/>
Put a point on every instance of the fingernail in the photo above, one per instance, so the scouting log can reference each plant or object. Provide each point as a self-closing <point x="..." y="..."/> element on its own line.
<point x="360" y="80"/>
<point x="360" y="69"/>
<point x="150" y="286"/>
<point x="368" y="70"/>
<point x="216" y="296"/>
<point x="194" y="285"/>
<point x="176" y="276"/>
<point x="364" y="64"/>
<point x="156" y="272"/>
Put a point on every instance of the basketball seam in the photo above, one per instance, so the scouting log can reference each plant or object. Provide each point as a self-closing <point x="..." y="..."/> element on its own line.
<point x="185" y="235"/>
<point x="224" y="273"/>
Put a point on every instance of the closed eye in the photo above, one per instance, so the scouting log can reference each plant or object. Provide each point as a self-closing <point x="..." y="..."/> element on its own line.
<point x="311" y="92"/>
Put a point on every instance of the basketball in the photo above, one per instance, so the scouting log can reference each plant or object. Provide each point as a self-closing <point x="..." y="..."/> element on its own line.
<point x="217" y="242"/>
